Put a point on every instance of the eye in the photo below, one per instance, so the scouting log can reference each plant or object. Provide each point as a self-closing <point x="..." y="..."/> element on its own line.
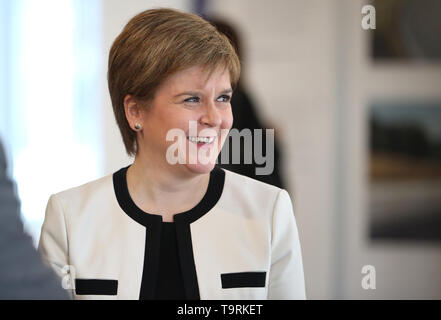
<point x="192" y="99"/>
<point x="224" y="98"/>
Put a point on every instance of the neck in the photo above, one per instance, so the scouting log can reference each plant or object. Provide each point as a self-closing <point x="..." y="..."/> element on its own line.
<point x="164" y="189"/>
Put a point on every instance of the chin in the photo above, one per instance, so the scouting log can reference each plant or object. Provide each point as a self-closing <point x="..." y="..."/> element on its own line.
<point x="200" y="168"/>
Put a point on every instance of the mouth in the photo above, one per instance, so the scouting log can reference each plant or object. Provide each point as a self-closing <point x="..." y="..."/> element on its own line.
<point x="200" y="141"/>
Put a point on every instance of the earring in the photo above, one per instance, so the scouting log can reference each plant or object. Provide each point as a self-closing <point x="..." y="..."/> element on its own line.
<point x="138" y="126"/>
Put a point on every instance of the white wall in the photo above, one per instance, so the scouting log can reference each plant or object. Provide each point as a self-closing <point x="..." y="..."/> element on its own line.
<point x="308" y="68"/>
<point x="409" y="270"/>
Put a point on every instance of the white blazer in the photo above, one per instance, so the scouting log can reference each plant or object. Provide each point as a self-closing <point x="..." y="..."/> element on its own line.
<point x="240" y="242"/>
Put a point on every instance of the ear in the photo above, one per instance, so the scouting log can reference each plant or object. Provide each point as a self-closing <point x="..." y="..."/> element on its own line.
<point x="133" y="112"/>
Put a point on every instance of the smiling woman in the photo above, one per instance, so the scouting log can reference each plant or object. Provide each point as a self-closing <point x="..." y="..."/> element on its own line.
<point x="161" y="230"/>
<point x="172" y="43"/>
<point x="185" y="97"/>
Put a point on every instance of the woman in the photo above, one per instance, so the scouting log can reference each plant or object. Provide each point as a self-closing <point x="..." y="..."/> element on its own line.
<point x="167" y="229"/>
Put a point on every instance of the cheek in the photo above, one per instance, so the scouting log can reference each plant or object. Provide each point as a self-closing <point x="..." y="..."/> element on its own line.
<point x="176" y="120"/>
<point x="227" y="119"/>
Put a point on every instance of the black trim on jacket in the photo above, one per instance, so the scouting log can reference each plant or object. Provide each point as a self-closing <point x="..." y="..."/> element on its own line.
<point x="96" y="287"/>
<point x="153" y="225"/>
<point x="254" y="279"/>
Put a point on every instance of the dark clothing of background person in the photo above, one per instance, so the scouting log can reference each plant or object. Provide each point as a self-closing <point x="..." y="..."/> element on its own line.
<point x="23" y="275"/>
<point x="245" y="116"/>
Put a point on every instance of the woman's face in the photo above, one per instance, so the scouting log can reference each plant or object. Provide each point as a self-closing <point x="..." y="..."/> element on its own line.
<point x="194" y="111"/>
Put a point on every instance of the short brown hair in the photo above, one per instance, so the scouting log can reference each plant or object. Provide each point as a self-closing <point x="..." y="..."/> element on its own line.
<point x="155" y="44"/>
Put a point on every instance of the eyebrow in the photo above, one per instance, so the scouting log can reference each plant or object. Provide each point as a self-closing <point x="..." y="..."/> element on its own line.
<point x="196" y="93"/>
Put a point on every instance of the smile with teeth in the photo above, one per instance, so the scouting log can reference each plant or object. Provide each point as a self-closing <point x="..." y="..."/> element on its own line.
<point x="206" y="140"/>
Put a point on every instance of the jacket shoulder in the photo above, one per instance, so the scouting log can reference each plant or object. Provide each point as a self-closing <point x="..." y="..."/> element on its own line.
<point x="97" y="189"/>
<point x="248" y="184"/>
<point x="250" y="196"/>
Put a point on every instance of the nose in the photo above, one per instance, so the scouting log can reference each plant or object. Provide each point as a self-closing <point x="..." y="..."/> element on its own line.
<point x="211" y="116"/>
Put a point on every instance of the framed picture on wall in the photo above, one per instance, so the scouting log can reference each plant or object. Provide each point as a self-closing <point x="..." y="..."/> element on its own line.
<point x="405" y="171"/>
<point x="407" y="30"/>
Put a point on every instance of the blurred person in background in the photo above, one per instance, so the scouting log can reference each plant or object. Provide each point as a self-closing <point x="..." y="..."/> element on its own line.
<point x="159" y="229"/>
<point x="246" y="116"/>
<point x="22" y="273"/>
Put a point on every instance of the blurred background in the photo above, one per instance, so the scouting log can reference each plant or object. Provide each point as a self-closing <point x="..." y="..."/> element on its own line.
<point x="357" y="118"/>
